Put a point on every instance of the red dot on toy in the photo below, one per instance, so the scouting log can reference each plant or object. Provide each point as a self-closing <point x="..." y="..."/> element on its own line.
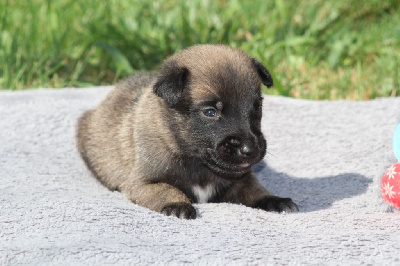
<point x="390" y="186"/>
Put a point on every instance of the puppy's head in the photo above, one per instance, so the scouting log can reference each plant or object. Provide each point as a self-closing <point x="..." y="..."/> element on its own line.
<point x="214" y="103"/>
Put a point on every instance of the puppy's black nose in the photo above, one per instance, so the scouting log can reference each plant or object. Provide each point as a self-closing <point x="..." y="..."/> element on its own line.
<point x="234" y="142"/>
<point x="245" y="150"/>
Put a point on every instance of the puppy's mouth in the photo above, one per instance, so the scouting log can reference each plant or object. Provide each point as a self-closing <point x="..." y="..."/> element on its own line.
<point x="230" y="170"/>
<point x="244" y="165"/>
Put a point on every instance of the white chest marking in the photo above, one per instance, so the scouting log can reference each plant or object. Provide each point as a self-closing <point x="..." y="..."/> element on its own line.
<point x="203" y="194"/>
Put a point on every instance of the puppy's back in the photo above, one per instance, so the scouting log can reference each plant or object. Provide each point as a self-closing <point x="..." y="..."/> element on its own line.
<point x="102" y="134"/>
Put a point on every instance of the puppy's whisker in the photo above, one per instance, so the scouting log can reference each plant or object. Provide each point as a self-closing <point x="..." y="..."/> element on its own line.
<point x="269" y="153"/>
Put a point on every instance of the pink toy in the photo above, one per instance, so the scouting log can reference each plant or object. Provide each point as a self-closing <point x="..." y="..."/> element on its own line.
<point x="390" y="186"/>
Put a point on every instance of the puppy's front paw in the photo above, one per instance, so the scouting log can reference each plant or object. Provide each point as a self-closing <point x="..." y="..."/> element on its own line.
<point x="276" y="204"/>
<point x="180" y="210"/>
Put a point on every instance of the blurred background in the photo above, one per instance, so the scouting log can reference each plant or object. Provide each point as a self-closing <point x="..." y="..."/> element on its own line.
<point x="315" y="49"/>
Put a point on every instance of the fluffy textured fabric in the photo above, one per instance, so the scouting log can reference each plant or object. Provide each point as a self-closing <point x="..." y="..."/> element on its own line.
<point x="327" y="155"/>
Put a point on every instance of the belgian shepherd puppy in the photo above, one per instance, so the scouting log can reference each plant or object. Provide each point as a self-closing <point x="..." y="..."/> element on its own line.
<point x="187" y="134"/>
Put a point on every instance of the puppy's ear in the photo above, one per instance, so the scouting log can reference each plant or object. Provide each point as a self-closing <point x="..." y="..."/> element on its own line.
<point x="171" y="82"/>
<point x="264" y="74"/>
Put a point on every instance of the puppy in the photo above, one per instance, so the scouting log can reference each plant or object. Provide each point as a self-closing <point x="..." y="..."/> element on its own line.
<point x="188" y="134"/>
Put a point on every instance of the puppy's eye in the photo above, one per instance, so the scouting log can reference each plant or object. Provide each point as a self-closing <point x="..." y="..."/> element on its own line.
<point x="210" y="112"/>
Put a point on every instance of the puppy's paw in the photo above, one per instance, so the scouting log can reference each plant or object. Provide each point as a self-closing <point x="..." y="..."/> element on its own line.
<point x="276" y="204"/>
<point x="180" y="210"/>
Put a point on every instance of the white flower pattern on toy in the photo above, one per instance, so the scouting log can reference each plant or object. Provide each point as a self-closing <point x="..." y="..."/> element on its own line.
<point x="391" y="172"/>
<point x="389" y="190"/>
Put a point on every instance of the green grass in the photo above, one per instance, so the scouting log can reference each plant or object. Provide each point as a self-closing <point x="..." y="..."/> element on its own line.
<point x="343" y="49"/>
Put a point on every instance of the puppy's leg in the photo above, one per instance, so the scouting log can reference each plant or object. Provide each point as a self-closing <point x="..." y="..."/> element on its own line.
<point x="251" y="193"/>
<point x="161" y="197"/>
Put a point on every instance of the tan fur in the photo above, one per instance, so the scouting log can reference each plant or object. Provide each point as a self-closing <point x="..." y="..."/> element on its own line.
<point x="120" y="141"/>
<point x="216" y="59"/>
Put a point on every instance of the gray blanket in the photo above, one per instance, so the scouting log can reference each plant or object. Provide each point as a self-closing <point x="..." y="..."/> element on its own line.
<point x="328" y="156"/>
